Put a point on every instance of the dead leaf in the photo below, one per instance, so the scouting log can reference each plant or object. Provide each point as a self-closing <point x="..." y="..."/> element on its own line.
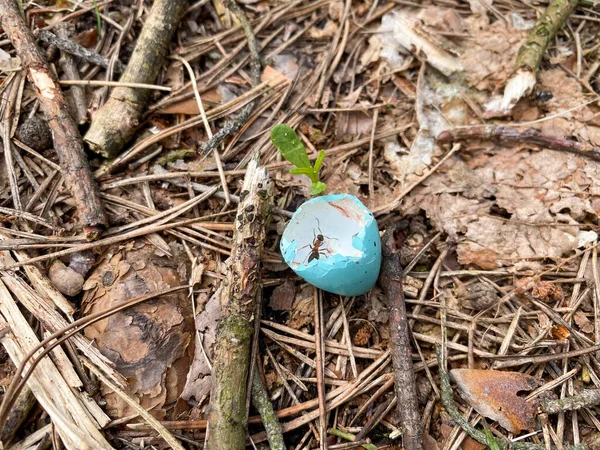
<point x="494" y="394"/>
<point x="283" y="296"/>
<point x="584" y="324"/>
<point x="326" y="32"/>
<point x="303" y="309"/>
<point x="401" y="31"/>
<point x="480" y="6"/>
<point x="547" y="292"/>
<point x="190" y="107"/>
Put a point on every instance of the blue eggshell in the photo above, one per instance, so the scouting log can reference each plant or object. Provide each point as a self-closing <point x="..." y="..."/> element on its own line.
<point x="348" y="244"/>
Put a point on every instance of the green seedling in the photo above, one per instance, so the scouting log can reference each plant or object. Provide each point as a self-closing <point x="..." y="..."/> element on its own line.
<point x="288" y="143"/>
<point x="98" y="18"/>
<point x="492" y="442"/>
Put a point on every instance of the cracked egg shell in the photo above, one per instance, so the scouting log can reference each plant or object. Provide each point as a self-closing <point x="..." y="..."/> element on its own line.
<point x="349" y="246"/>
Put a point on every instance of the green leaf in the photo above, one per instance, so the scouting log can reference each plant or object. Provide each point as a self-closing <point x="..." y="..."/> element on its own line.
<point x="287" y="142"/>
<point x="302" y="171"/>
<point x="317" y="188"/>
<point x="319" y="161"/>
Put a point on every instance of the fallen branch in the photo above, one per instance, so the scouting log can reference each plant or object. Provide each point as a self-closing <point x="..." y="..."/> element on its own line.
<point x="515" y="136"/>
<point x="65" y="135"/>
<point x="262" y="403"/>
<point x="407" y="404"/>
<point x="231" y="360"/>
<point x="530" y="54"/>
<point x="115" y="123"/>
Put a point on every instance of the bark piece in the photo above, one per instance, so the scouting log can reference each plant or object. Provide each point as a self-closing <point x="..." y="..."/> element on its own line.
<point x="115" y="123"/>
<point x="67" y="141"/>
<point x="228" y="415"/>
<point x="151" y="344"/>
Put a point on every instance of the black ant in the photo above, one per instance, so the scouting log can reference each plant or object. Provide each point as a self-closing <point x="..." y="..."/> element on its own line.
<point x="315" y="248"/>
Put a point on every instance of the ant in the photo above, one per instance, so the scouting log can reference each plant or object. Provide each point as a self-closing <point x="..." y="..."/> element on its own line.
<point x="315" y="248"/>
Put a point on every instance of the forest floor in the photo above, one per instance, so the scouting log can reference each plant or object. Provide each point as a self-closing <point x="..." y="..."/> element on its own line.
<point x="498" y="208"/>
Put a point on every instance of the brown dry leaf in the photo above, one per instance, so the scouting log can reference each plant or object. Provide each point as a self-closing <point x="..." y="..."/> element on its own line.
<point x="303" y="311"/>
<point x="283" y="296"/>
<point x="190" y="107"/>
<point x="326" y="32"/>
<point x="471" y="444"/>
<point x="547" y="292"/>
<point x="429" y="443"/>
<point x="584" y="324"/>
<point x="272" y="77"/>
<point x="151" y="344"/>
<point x="488" y="61"/>
<point x="494" y="394"/>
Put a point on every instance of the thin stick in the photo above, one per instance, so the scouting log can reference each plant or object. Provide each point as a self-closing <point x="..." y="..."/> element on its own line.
<point x="513" y="135"/>
<point x="73" y="48"/>
<point x="405" y="383"/>
<point x="69" y="67"/>
<point x="114" y="84"/>
<point x="207" y="128"/>
<point x="320" y="364"/>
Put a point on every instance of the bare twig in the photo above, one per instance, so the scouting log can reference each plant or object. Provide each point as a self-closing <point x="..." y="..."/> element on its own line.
<point x="514" y="135"/>
<point x="531" y="53"/>
<point x="66" y="45"/>
<point x="262" y="402"/>
<point x="69" y="67"/>
<point x="400" y="342"/>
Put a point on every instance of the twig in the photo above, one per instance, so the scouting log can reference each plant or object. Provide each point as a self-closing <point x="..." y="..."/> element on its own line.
<point x="531" y="53"/>
<point x="235" y="124"/>
<point x="65" y="134"/>
<point x="400" y="342"/>
<point x="262" y="403"/>
<point x="69" y="67"/>
<point x="320" y="368"/>
<point x="588" y="398"/>
<point x="73" y="48"/>
<point x="228" y="418"/>
<point x="119" y="118"/>
<point x="115" y="84"/>
<point x="514" y="135"/>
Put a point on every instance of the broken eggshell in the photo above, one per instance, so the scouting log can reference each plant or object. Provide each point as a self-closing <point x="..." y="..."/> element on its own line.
<point x="349" y="253"/>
